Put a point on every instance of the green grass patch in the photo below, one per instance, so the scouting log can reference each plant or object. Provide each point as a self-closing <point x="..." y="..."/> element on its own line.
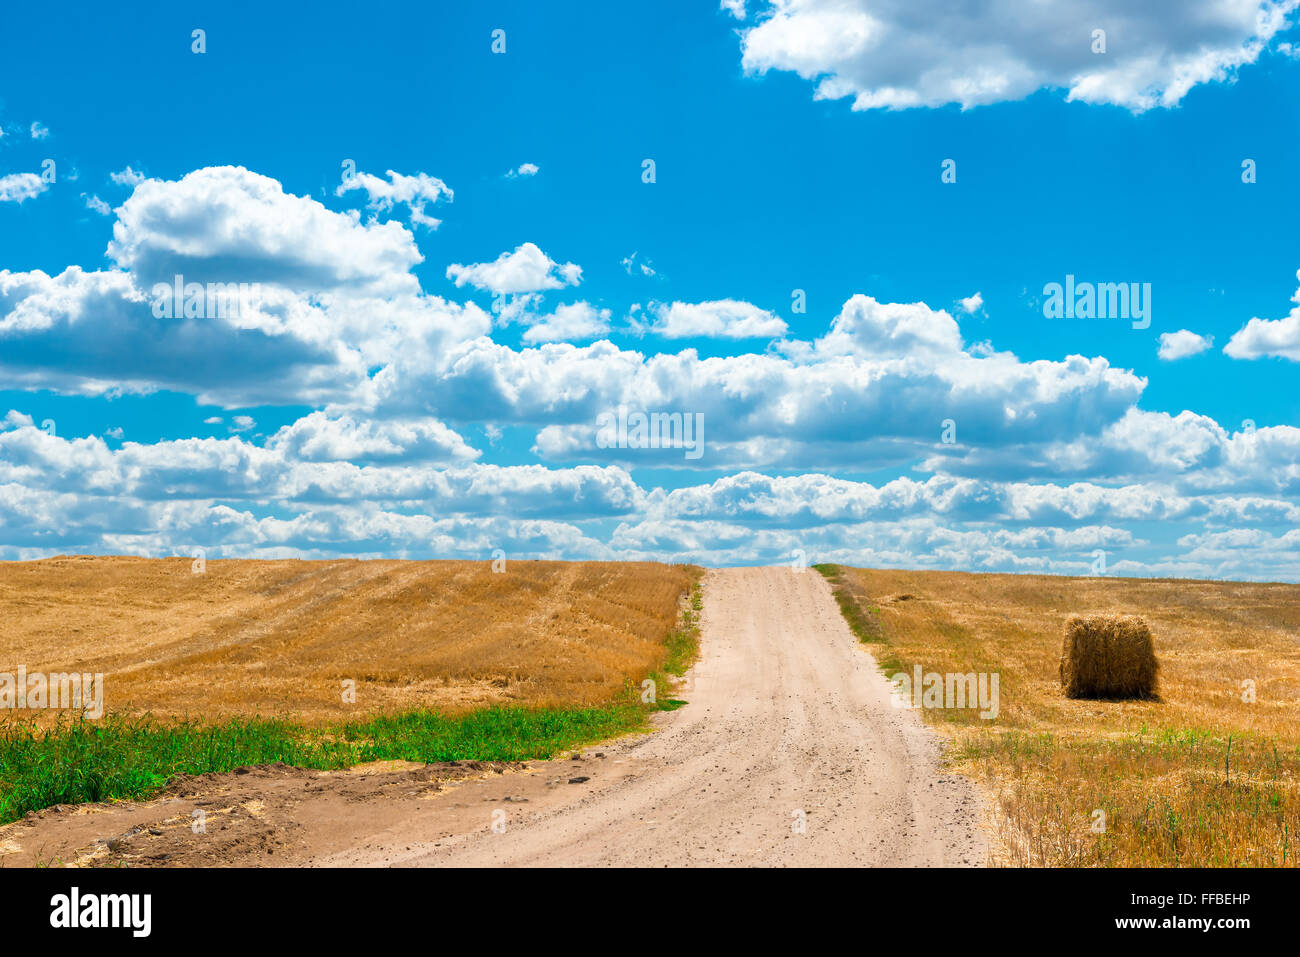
<point x="120" y="757"/>
<point x="683" y="646"/>
<point x="862" y="617"/>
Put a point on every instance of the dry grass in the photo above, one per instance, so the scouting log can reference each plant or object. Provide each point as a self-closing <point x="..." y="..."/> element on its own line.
<point x="1108" y="656"/>
<point x="1197" y="776"/>
<point x="278" y="638"/>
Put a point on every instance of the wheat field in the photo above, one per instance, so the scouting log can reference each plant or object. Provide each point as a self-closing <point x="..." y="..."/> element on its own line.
<point x="280" y="638"/>
<point x="1208" y="773"/>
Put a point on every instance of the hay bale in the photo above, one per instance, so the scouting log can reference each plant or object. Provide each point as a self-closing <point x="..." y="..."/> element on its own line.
<point x="1108" y="656"/>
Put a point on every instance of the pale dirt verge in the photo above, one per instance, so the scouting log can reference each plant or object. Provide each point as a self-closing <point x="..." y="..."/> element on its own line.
<point x="789" y="721"/>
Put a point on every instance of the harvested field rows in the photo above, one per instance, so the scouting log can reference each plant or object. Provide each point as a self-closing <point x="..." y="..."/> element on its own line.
<point x="1208" y="773"/>
<point x="279" y="638"/>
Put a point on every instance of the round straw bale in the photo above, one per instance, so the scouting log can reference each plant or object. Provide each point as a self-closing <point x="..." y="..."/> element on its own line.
<point x="1108" y="656"/>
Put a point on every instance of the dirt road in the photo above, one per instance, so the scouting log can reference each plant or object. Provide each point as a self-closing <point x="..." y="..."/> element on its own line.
<point x="788" y="718"/>
<point x="788" y="753"/>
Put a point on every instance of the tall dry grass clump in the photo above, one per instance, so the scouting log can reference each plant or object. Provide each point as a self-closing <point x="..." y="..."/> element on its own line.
<point x="1108" y="656"/>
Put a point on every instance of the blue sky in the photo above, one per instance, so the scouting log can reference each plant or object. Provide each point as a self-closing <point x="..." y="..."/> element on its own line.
<point x="368" y="404"/>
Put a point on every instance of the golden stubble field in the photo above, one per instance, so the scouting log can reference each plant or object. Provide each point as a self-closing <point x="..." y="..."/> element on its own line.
<point x="279" y="638"/>
<point x="1201" y="776"/>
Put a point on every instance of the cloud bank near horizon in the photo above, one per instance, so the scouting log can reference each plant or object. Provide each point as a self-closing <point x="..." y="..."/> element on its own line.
<point x="1000" y="462"/>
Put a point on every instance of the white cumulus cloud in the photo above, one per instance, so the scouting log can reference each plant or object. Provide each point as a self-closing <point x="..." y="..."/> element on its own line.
<point x="897" y="54"/>
<point x="1183" y="343"/>
<point x="127" y="177"/>
<point x="570" y="322"/>
<point x="1260" y="338"/>
<point x="525" y="270"/>
<point x="719" y="319"/>
<point x="18" y="187"/>
<point x="97" y="205"/>
<point x="413" y="192"/>
<point x="227" y="224"/>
